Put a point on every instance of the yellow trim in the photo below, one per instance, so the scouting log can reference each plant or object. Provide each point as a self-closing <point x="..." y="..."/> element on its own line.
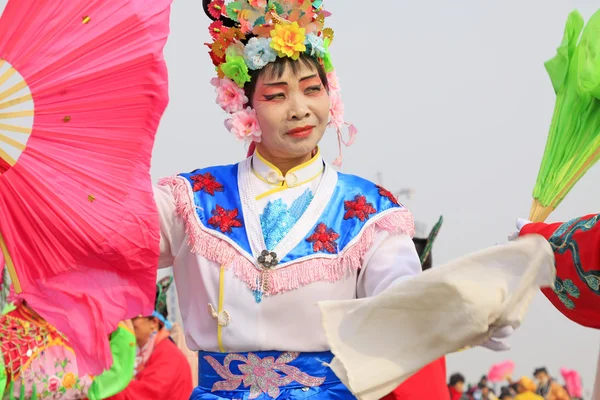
<point x="270" y="192"/>
<point x="220" y="308"/>
<point x="264" y="180"/>
<point x="310" y="179"/>
<point x="123" y="326"/>
<point x="11" y="267"/>
<point x="296" y="168"/>
<point x="12" y="142"/>
<point x="7" y="158"/>
<point x="261" y="158"/>
<point x="13" y="128"/>
<point x="309" y="162"/>
<point x="16" y="101"/>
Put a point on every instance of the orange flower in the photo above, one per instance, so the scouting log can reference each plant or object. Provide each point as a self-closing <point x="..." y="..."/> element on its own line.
<point x="288" y="40"/>
<point x="69" y="380"/>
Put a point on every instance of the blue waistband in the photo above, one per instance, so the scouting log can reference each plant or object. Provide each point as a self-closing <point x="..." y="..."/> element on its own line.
<point x="264" y="371"/>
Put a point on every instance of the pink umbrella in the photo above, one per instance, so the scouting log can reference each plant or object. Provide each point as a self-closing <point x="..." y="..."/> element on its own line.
<point x="573" y="381"/>
<point x="83" y="86"/>
<point x="499" y="372"/>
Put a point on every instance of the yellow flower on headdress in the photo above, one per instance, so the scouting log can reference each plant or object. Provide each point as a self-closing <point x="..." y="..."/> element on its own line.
<point x="288" y="40"/>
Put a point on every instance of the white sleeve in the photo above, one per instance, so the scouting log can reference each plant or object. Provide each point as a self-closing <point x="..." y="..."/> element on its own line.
<point x="390" y="259"/>
<point x="172" y="227"/>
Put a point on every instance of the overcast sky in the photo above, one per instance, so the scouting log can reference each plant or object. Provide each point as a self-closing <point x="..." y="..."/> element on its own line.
<point x="451" y="98"/>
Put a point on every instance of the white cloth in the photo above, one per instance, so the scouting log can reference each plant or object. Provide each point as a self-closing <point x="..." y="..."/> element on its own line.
<point x="289" y="321"/>
<point x="381" y="341"/>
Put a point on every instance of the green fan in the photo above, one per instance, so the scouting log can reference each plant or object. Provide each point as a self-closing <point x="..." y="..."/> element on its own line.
<point x="573" y="144"/>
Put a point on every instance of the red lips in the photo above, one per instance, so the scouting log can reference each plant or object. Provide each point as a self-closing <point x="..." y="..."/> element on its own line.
<point x="300" y="132"/>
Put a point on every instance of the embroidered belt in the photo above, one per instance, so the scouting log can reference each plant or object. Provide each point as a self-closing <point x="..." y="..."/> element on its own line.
<point x="264" y="374"/>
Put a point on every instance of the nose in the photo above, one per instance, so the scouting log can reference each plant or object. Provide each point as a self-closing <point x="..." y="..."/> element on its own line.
<point x="298" y="108"/>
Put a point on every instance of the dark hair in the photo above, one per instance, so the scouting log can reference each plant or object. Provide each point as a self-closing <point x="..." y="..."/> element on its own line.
<point x="277" y="68"/>
<point x="540" y="370"/>
<point x="456" y="378"/>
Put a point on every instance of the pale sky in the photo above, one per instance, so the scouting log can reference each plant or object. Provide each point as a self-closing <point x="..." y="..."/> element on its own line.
<point x="451" y="99"/>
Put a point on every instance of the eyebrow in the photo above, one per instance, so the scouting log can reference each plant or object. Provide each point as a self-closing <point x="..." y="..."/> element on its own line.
<point x="285" y="83"/>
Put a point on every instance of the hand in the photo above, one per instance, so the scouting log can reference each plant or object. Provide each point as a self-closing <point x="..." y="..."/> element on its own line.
<point x="521" y="222"/>
<point x="495" y="343"/>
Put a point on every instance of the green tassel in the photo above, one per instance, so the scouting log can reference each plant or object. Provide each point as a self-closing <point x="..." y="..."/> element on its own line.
<point x="22" y="394"/>
<point x="11" y="388"/>
<point x="34" y="391"/>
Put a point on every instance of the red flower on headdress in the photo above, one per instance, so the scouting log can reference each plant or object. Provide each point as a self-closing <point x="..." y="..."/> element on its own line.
<point x="207" y="183"/>
<point x="216" y="60"/>
<point x="386" y="193"/>
<point x="324" y="238"/>
<point x="215" y="8"/>
<point x="224" y="219"/>
<point x="359" y="208"/>
<point x="215" y="28"/>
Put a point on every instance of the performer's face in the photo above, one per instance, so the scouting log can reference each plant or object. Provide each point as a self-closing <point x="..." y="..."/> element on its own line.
<point x="292" y="110"/>
<point x="144" y="327"/>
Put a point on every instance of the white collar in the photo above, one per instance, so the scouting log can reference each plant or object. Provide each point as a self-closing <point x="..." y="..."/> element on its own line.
<point x="297" y="176"/>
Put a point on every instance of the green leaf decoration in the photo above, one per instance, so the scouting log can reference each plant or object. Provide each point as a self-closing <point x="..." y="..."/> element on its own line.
<point x="231" y="10"/>
<point x="259" y="21"/>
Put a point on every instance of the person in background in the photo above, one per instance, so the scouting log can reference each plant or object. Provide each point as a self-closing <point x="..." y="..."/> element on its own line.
<point x="456" y="386"/>
<point x="526" y="390"/>
<point x="547" y="387"/>
<point x="506" y="394"/>
<point x="161" y="371"/>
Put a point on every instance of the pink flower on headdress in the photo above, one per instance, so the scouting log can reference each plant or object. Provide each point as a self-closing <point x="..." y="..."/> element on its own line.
<point x="258" y="3"/>
<point x="336" y="110"/>
<point x="334" y="84"/>
<point x="244" y="125"/>
<point x="230" y="96"/>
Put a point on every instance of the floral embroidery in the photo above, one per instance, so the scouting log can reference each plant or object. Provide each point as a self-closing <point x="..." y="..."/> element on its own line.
<point x="69" y="380"/>
<point x="386" y="193"/>
<point x="54" y="383"/>
<point x="562" y="241"/>
<point x="206" y="182"/>
<point x="564" y="290"/>
<point x="324" y="238"/>
<point x="358" y="208"/>
<point x="224" y="219"/>
<point x="260" y="374"/>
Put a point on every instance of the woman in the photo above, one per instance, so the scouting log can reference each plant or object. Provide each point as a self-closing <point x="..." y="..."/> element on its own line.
<point x="161" y="369"/>
<point x="257" y="244"/>
<point x="38" y="362"/>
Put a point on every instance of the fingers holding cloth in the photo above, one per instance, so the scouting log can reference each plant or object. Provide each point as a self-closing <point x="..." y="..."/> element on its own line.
<point x="381" y="341"/>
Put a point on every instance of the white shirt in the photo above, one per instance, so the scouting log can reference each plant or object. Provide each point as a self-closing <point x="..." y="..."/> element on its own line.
<point x="289" y="321"/>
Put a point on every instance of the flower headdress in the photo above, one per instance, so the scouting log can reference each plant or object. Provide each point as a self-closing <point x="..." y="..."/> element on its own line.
<point x="249" y="34"/>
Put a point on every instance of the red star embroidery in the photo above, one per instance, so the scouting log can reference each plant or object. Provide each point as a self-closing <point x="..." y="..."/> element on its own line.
<point x="206" y="182"/>
<point x="359" y="208"/>
<point x="224" y="219"/>
<point x="324" y="239"/>
<point x="386" y="193"/>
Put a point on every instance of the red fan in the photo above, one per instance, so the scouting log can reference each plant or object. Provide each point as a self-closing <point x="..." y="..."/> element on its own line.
<point x="83" y="85"/>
